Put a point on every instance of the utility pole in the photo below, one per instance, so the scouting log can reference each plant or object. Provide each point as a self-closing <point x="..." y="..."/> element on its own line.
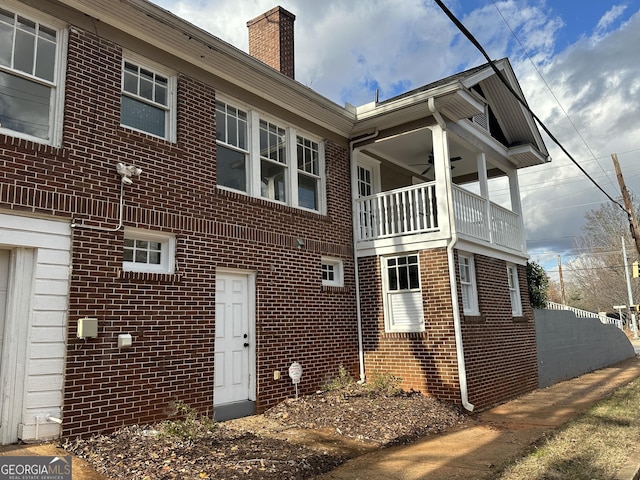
<point x="627" y="203"/>
<point x="563" y="300"/>
<point x="634" y="325"/>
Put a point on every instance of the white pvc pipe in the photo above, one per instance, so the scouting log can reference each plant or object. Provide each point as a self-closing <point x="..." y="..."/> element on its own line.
<point x="457" y="326"/>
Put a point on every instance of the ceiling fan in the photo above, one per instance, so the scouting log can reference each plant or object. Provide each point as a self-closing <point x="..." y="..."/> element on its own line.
<point x="430" y="163"/>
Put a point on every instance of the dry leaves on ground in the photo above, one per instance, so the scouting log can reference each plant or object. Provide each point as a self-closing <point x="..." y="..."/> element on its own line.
<point x="267" y="446"/>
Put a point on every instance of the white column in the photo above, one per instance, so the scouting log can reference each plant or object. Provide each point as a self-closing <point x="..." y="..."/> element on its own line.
<point x="442" y="172"/>
<point x="481" y="166"/>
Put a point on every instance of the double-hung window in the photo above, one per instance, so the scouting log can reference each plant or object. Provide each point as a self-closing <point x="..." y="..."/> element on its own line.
<point x="147" y="99"/>
<point x="468" y="284"/>
<point x="29" y="77"/>
<point x="232" y="146"/>
<point x="308" y="173"/>
<point x="266" y="158"/>
<point x="514" y="290"/>
<point x="404" y="311"/>
<point x="273" y="161"/>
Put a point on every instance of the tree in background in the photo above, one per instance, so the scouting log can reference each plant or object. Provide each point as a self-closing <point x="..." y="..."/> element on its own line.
<point x="597" y="276"/>
<point x="538" y="282"/>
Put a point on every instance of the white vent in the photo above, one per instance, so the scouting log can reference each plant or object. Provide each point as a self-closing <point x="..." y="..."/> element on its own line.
<point x="481" y="120"/>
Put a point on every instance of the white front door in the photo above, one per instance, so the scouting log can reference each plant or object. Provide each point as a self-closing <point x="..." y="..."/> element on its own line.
<point x="234" y="339"/>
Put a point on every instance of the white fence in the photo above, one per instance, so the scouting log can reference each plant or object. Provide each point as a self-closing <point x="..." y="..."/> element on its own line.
<point x="585" y="314"/>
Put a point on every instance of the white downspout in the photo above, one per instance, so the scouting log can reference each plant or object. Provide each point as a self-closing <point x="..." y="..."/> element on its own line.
<point x="457" y="327"/>
<point x="354" y="196"/>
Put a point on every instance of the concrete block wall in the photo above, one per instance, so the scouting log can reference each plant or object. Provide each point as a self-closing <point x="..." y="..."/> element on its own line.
<point x="568" y="346"/>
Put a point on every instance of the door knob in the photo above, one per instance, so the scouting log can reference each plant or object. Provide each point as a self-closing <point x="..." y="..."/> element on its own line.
<point x="246" y="344"/>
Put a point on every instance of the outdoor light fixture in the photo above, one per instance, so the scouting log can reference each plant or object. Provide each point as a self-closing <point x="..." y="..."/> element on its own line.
<point x="299" y="243"/>
<point x="127" y="171"/>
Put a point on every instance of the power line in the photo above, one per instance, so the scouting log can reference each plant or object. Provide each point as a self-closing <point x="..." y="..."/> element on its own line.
<point x="504" y="81"/>
<point x="535" y="67"/>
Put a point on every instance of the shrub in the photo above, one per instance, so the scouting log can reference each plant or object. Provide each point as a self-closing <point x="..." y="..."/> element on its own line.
<point x="343" y="380"/>
<point x="191" y="425"/>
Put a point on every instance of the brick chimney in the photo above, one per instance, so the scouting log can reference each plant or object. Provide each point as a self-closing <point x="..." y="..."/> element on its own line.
<point x="271" y="39"/>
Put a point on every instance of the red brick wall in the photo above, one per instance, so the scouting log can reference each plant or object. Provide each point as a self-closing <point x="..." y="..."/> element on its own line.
<point x="500" y="351"/>
<point x="271" y="40"/>
<point x="171" y="317"/>
<point x="426" y="361"/>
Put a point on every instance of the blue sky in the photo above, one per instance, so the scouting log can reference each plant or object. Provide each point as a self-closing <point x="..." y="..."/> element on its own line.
<point x="578" y="63"/>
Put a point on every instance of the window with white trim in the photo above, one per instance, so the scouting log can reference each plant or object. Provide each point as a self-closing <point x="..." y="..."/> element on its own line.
<point x="146" y="251"/>
<point x="514" y="290"/>
<point x="147" y="99"/>
<point x="403" y="306"/>
<point x="309" y="180"/>
<point x="273" y="161"/>
<point x="232" y="151"/>
<point x="467" y="270"/>
<point x="266" y="158"/>
<point x="30" y="77"/>
<point x="332" y="272"/>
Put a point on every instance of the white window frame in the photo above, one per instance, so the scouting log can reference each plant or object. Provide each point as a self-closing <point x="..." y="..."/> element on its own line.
<point x="410" y="296"/>
<point x="233" y="147"/>
<point x="56" y="101"/>
<point x="254" y="160"/>
<point x="170" y="108"/>
<point x="167" y="251"/>
<point x="470" y="307"/>
<point x="514" y="290"/>
<point x="338" y="272"/>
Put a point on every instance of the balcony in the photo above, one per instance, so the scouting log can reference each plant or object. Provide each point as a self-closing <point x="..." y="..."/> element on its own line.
<point x="412" y="213"/>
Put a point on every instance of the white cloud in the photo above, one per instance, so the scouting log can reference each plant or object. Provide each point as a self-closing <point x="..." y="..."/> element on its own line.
<point x="345" y="50"/>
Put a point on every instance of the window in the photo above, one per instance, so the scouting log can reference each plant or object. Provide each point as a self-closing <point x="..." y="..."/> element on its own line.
<point x="308" y="173"/>
<point x="468" y="282"/>
<point x="273" y="161"/>
<point x="146" y="251"/>
<point x="265" y="158"/>
<point x="403" y="273"/>
<point x="146" y="101"/>
<point x="403" y="306"/>
<point x="514" y="290"/>
<point x="332" y="272"/>
<point x="29" y="77"/>
<point x="232" y="147"/>
<point x="365" y="181"/>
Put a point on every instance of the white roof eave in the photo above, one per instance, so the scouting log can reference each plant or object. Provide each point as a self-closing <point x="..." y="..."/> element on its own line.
<point x="148" y="23"/>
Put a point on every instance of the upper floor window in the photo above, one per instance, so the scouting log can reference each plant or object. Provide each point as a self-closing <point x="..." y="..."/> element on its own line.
<point x="267" y="159"/>
<point x="273" y="161"/>
<point x="146" y="101"/>
<point x="146" y="251"/>
<point x="29" y="77"/>
<point x="232" y="152"/>
<point x="308" y="173"/>
<point x="468" y="284"/>
<point x="514" y="290"/>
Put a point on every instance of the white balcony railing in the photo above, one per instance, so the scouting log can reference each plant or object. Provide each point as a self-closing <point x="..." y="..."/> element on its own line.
<point x="399" y="212"/>
<point x="411" y="210"/>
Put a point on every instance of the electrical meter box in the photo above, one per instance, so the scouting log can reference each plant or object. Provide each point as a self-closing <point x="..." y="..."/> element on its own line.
<point x="87" y="327"/>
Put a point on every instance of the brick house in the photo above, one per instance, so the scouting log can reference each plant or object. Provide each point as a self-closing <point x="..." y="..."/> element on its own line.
<point x="180" y="221"/>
